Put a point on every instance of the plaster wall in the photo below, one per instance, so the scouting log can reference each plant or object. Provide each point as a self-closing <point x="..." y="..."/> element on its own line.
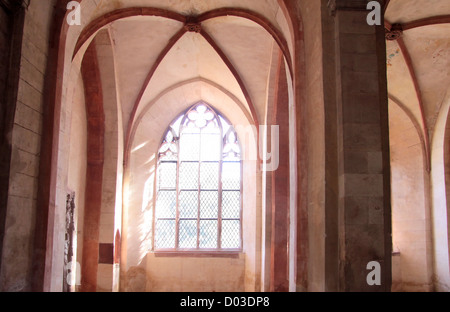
<point x="410" y="208"/>
<point x="445" y="279"/>
<point x="195" y="274"/>
<point x="440" y="195"/>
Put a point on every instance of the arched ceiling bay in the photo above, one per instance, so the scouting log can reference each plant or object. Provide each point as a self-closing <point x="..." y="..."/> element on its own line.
<point x="268" y="8"/>
<point x="418" y="56"/>
<point x="154" y="53"/>
<point x="160" y="44"/>
<point x="406" y="11"/>
<point x="249" y="48"/>
<point x="136" y="48"/>
<point x="246" y="45"/>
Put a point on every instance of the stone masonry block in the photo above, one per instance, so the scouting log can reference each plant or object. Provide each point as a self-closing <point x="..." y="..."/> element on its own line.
<point x="361" y="43"/>
<point x="364" y="185"/>
<point x="362" y="137"/>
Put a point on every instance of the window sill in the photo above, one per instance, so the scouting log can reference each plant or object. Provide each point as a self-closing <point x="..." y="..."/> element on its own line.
<point x="235" y="254"/>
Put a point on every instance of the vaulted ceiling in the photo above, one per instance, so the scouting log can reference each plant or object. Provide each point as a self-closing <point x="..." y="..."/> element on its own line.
<point x="228" y="45"/>
<point x="233" y="50"/>
<point x="418" y="60"/>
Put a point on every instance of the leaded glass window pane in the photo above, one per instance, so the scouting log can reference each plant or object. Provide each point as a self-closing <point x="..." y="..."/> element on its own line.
<point x="188" y="234"/>
<point x="231" y="233"/>
<point x="209" y="204"/>
<point x="231" y="204"/>
<point x="165" y="234"/>
<point x="167" y="175"/>
<point x="167" y="204"/>
<point x="188" y="175"/>
<point x="231" y="176"/>
<point x="188" y="204"/>
<point x="209" y="176"/>
<point x="198" y="202"/>
<point x="211" y="147"/>
<point x="208" y="234"/>
<point x="190" y="147"/>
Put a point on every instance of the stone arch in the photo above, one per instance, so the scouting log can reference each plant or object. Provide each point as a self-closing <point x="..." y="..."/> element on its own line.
<point x="64" y="70"/>
<point x="63" y="86"/>
<point x="303" y="100"/>
<point x="94" y="26"/>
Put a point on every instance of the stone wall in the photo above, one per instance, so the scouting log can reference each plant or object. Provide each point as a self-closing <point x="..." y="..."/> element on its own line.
<point x="5" y="148"/>
<point x="411" y="222"/>
<point x="440" y="198"/>
<point x="25" y="140"/>
<point x="194" y="274"/>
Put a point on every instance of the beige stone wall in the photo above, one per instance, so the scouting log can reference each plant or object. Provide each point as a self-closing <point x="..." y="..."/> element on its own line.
<point x="443" y="283"/>
<point x="195" y="274"/>
<point x="26" y="137"/>
<point x="440" y="161"/>
<point x="411" y="221"/>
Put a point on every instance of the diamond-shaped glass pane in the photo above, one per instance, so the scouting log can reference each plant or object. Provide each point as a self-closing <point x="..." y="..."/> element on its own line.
<point x="165" y="234"/>
<point x="211" y="147"/>
<point x="189" y="175"/>
<point x="231" y="204"/>
<point x="188" y="234"/>
<point x="190" y="146"/>
<point x="208" y="234"/>
<point x="209" y="204"/>
<point x="231" y="176"/>
<point x="166" y="204"/>
<point x="209" y="176"/>
<point x="167" y="175"/>
<point x="231" y="230"/>
<point x="188" y="203"/>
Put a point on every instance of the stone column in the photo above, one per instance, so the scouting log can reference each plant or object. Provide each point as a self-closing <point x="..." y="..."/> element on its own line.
<point x="279" y="279"/>
<point x="359" y="217"/>
<point x="13" y="206"/>
<point x="94" y="172"/>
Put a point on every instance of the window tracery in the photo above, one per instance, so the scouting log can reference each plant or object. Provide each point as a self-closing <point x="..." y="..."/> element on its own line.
<point x="199" y="191"/>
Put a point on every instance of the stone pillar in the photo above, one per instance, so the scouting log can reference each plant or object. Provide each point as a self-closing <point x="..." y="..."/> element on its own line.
<point x="94" y="172"/>
<point x="12" y="17"/>
<point x="279" y="279"/>
<point x="359" y="217"/>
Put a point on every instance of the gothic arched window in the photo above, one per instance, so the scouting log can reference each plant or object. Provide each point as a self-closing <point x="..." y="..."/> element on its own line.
<point x="198" y="188"/>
